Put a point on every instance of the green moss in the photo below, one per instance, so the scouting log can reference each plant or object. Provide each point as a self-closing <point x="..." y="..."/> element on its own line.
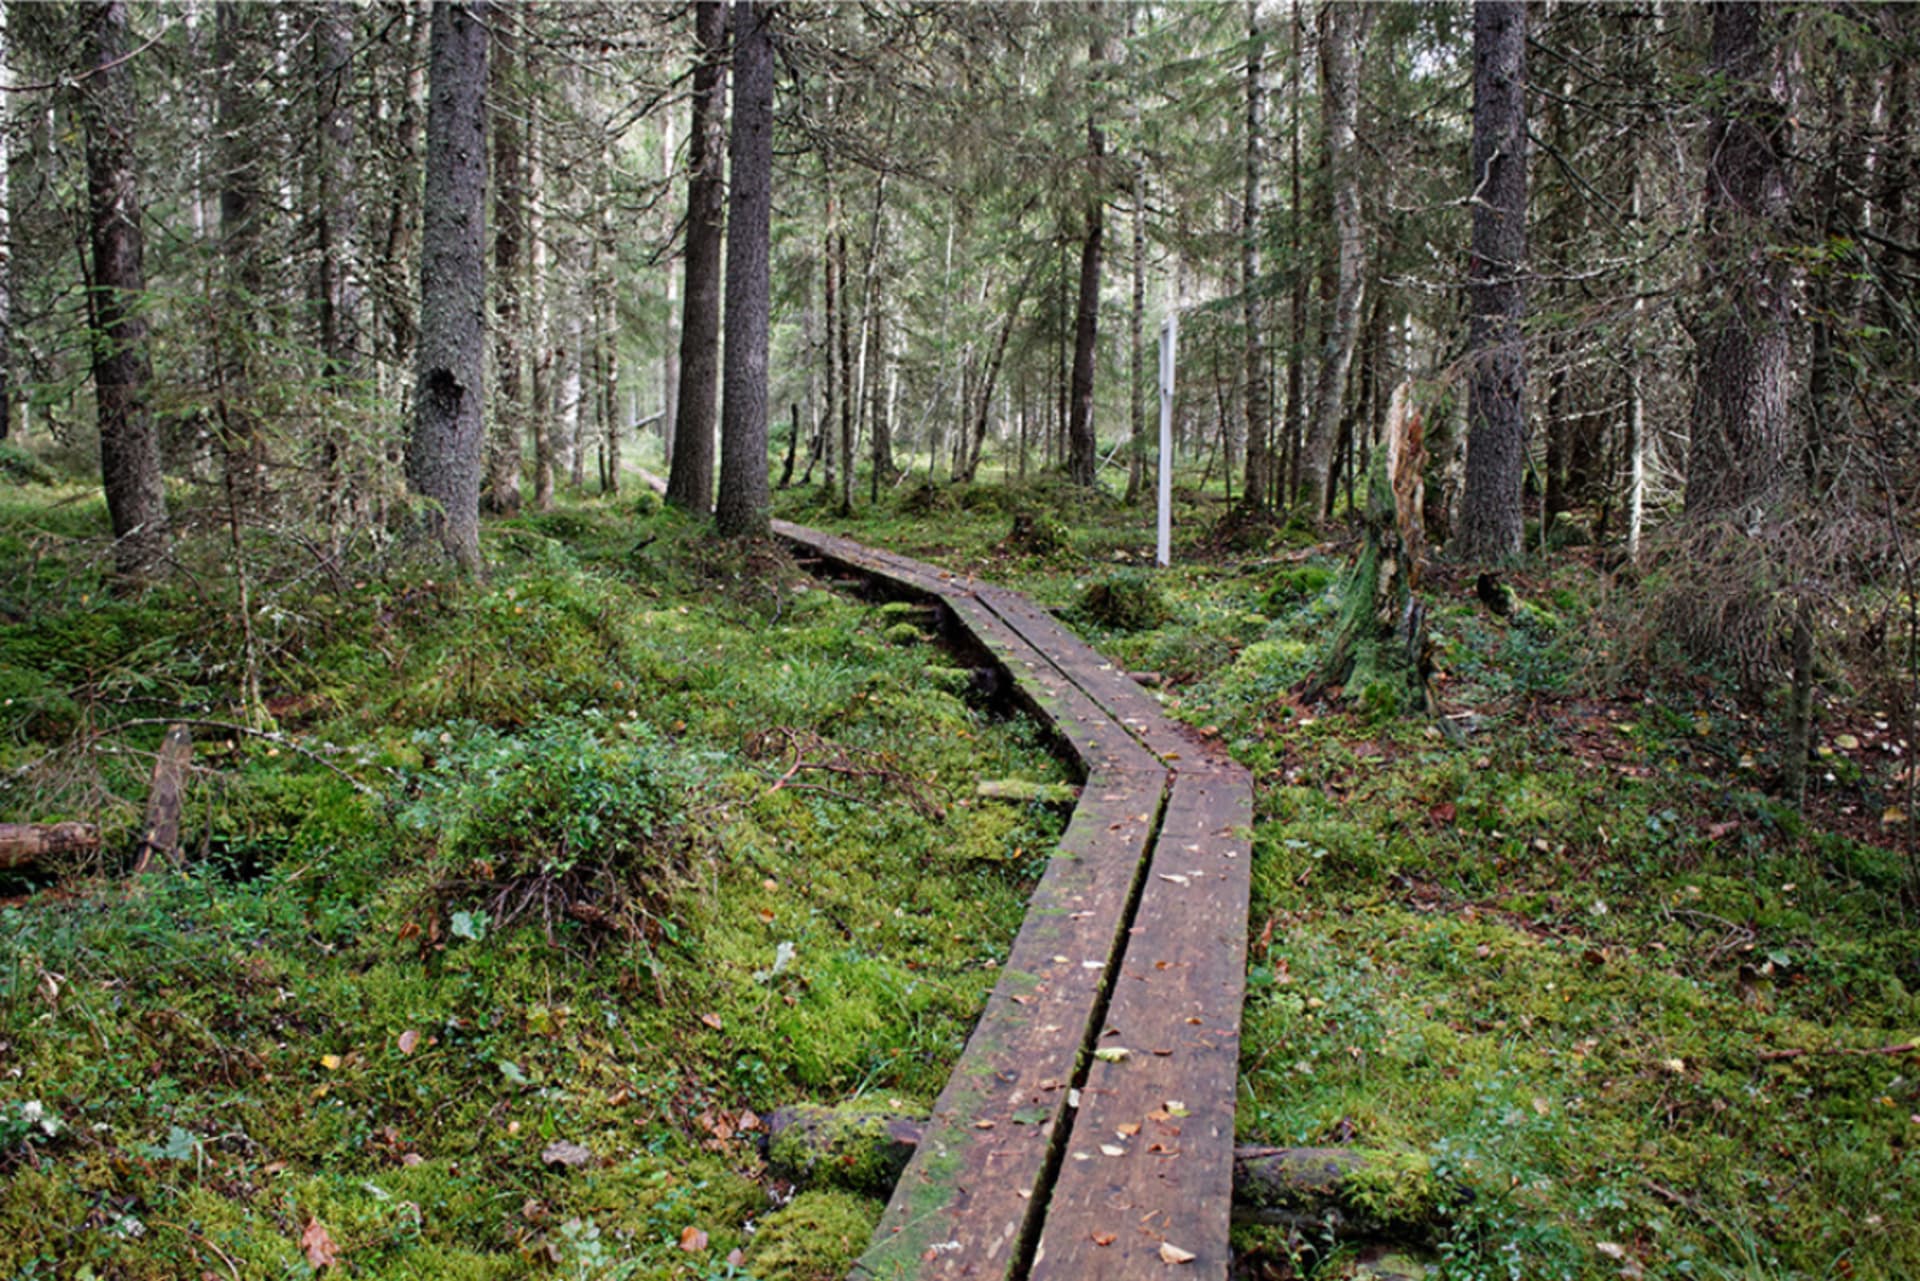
<point x="1129" y="601"/>
<point x="815" y="1237"/>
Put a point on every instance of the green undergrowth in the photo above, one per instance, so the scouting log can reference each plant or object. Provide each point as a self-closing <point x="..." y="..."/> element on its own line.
<point x="504" y="912"/>
<point x="1561" y="944"/>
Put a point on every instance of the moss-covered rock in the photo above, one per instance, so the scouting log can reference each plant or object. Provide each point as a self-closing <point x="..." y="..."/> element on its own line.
<point x="814" y="1237"/>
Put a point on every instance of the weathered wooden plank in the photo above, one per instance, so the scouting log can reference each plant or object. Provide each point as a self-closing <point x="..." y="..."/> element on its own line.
<point x="1148" y="1175"/>
<point x="975" y="1188"/>
<point x="1102" y="679"/>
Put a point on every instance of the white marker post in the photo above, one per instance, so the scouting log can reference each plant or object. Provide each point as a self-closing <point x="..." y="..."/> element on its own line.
<point x="1169" y="334"/>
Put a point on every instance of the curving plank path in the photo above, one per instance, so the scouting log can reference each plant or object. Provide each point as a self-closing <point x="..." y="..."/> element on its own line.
<point x="1087" y="1131"/>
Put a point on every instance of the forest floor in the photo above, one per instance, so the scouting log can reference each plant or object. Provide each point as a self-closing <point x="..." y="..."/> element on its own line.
<point x="510" y="908"/>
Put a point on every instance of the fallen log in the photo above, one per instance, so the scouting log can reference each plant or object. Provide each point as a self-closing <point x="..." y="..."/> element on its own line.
<point x="1354" y="1193"/>
<point x="26" y="844"/>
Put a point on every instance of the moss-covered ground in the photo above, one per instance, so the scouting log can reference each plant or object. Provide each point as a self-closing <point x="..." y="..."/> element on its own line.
<point x="1562" y="941"/>
<point x="506" y="907"/>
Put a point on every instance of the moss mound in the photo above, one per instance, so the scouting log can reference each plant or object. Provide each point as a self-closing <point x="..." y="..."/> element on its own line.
<point x="815" y="1237"/>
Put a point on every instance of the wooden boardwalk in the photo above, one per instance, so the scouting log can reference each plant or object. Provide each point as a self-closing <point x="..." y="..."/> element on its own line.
<point x="1087" y="1131"/>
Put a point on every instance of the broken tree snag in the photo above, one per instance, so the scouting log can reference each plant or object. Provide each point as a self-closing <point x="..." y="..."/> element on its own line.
<point x="1380" y="653"/>
<point x="26" y="844"/>
<point x="814" y="1146"/>
<point x="1351" y="1192"/>
<point x="161" y="832"/>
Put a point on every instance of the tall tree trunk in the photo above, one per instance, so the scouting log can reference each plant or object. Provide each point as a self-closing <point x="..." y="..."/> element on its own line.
<point x="1491" y="521"/>
<point x="1082" y="447"/>
<point x="849" y="390"/>
<point x="443" y="454"/>
<point x="541" y="408"/>
<point x="992" y="375"/>
<point x="129" y="446"/>
<point x="1741" y="426"/>
<point x="690" y="477"/>
<point x="243" y="276"/>
<point x="504" y="447"/>
<point x="744" y="490"/>
<point x="1341" y="34"/>
<point x="1259" y="396"/>
<point x="1137" y="313"/>
<point x="1296" y="355"/>
<point x="606" y="292"/>
<point x="339" y="235"/>
<point x="836" y="299"/>
<point x="880" y="409"/>
<point x="6" y="242"/>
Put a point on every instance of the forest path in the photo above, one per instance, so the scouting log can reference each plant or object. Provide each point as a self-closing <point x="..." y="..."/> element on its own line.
<point x="1087" y="1130"/>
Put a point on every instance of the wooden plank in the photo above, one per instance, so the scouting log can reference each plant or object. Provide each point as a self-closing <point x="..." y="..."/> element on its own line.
<point x="974" y="1191"/>
<point x="1149" y="1158"/>
<point x="1102" y="679"/>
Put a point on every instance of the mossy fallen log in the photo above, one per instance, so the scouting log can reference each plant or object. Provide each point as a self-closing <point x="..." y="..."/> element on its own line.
<point x="29" y="844"/>
<point x="1022" y="791"/>
<point x="1354" y="1193"/>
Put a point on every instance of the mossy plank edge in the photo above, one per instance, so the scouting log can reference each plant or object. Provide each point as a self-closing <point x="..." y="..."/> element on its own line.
<point x="1149" y="1156"/>
<point x="974" y="1189"/>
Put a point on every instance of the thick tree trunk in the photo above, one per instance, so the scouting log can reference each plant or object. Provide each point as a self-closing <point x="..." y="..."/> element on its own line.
<point x="690" y="477"/>
<point x="1738" y="465"/>
<point x="1259" y="398"/>
<point x="744" y="491"/>
<point x="1341" y="34"/>
<point x="1296" y="355"/>
<point x="879" y="403"/>
<point x="443" y="454"/>
<point x="504" y="447"/>
<point x="1082" y="447"/>
<point x="1490" y="516"/>
<point x="129" y="446"/>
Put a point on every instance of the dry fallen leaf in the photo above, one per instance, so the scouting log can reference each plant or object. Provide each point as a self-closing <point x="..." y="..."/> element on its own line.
<point x="409" y="1039"/>
<point x="331" y="1062"/>
<point x="318" y="1246"/>
<point x="1113" y="1149"/>
<point x="692" y="1240"/>
<point x="713" y="1021"/>
<point x="1103" y="1238"/>
<point x="1171" y="1253"/>
<point x="1130" y="1129"/>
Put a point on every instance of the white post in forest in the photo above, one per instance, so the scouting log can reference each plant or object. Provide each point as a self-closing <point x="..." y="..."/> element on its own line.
<point x="1169" y="333"/>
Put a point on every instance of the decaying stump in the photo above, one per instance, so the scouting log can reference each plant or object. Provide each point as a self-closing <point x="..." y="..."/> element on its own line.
<point x="1379" y="653"/>
<point x="27" y="844"/>
<point x="161" y="832"/>
<point x="1353" y="1193"/>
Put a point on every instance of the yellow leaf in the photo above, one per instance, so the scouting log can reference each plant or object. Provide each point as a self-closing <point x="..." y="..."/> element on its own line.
<point x="331" y="1062"/>
<point x="1893" y="817"/>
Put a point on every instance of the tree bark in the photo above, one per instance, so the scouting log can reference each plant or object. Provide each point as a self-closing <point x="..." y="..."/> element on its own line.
<point x="6" y="242"/>
<point x="1490" y="516"/>
<point x="1738" y="463"/>
<point x="129" y="447"/>
<point x="1342" y="30"/>
<point x="1082" y="447"/>
<point x="1259" y="398"/>
<point x="744" y="490"/>
<point x="160" y="833"/>
<point x="504" y="445"/>
<point x="690" y="476"/>
<point x="339" y="232"/>
<point x="242" y="207"/>
<point x="443" y="454"/>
